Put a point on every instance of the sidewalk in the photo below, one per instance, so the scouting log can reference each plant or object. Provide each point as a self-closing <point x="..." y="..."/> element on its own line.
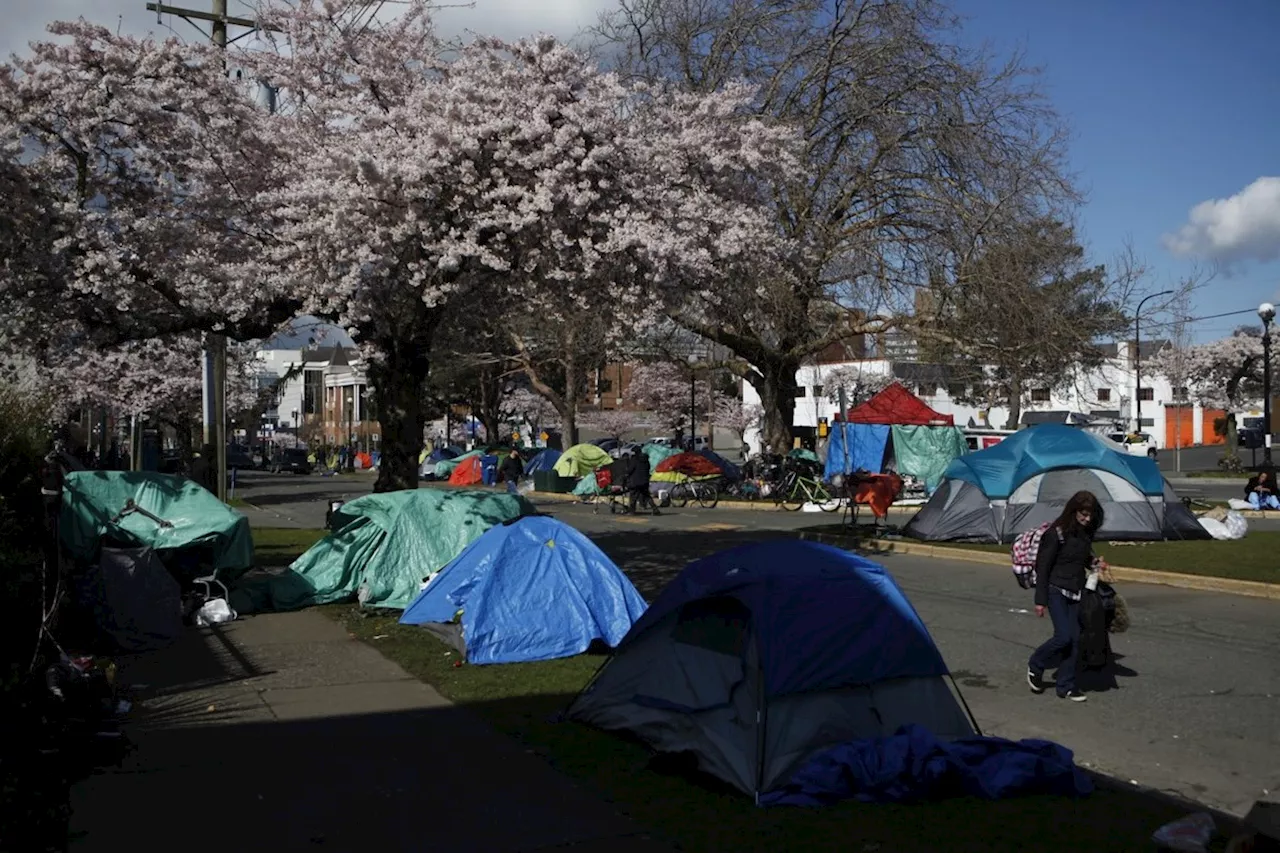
<point x="281" y="733"/>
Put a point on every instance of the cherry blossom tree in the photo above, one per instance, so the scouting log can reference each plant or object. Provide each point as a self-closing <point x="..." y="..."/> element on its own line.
<point x="667" y="390"/>
<point x="140" y="163"/>
<point x="614" y="423"/>
<point x="513" y="169"/>
<point x="858" y="384"/>
<point x="1224" y="374"/>
<point x="738" y="417"/>
<point x="523" y="406"/>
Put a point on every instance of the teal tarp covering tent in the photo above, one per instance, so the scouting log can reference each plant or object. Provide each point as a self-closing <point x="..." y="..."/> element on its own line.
<point x="92" y="503"/>
<point x="927" y="451"/>
<point x="656" y="453"/>
<point x="383" y="547"/>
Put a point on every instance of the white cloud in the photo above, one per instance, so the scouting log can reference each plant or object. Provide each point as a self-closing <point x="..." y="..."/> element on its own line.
<point x="1243" y="227"/>
<point x="25" y="20"/>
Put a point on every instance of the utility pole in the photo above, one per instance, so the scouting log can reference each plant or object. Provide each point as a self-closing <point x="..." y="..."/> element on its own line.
<point x="214" y="357"/>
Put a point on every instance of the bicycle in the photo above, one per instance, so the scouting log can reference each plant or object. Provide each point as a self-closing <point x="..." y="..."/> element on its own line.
<point x="706" y="494"/>
<point x="797" y="490"/>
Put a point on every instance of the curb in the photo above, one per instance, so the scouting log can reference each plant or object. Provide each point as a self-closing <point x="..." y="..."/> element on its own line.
<point x="1203" y="583"/>
<point x="764" y="505"/>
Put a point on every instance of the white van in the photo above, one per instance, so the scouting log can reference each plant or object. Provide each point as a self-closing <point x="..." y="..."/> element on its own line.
<point x="1135" y="443"/>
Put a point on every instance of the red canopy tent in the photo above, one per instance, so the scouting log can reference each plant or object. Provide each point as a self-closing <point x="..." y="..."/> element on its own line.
<point x="895" y="405"/>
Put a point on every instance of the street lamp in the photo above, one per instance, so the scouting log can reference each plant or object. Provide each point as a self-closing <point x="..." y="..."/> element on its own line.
<point x="693" y="401"/>
<point x="1137" y="354"/>
<point x="1267" y="312"/>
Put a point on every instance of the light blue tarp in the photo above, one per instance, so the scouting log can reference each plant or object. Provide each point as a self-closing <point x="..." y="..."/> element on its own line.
<point x="914" y="765"/>
<point x="866" y="448"/>
<point x="543" y="460"/>
<point x="657" y="453"/>
<point x="533" y="589"/>
<point x="824" y="618"/>
<point x="999" y="470"/>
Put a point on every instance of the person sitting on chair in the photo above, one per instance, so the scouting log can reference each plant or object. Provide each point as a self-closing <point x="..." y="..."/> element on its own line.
<point x="1260" y="491"/>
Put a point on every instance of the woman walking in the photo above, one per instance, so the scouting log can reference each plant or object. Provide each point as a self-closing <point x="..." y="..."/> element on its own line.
<point x="1063" y="563"/>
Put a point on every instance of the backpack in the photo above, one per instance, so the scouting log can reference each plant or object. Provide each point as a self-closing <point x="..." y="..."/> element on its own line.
<point x="1024" y="551"/>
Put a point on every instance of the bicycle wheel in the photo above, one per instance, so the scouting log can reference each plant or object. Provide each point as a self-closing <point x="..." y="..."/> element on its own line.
<point x="794" y="497"/>
<point x="679" y="496"/>
<point x="824" y="499"/>
<point x="708" y="496"/>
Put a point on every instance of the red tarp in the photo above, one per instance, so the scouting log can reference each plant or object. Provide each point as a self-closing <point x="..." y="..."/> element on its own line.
<point x="468" y="473"/>
<point x="897" y="406"/>
<point x="689" y="464"/>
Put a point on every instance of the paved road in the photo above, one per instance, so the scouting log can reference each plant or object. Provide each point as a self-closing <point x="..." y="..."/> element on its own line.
<point x="1191" y="708"/>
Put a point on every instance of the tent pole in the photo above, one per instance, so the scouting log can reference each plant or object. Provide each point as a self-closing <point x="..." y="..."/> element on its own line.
<point x="976" y="728"/>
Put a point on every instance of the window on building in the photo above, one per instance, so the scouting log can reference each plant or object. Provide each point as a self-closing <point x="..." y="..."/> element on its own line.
<point x="1180" y="393"/>
<point x="1146" y="394"/>
<point x="801" y="392"/>
<point x="1039" y="395"/>
<point x="1148" y="422"/>
<point x="926" y="390"/>
<point x="955" y="389"/>
<point x="1104" y="395"/>
<point x="817" y="390"/>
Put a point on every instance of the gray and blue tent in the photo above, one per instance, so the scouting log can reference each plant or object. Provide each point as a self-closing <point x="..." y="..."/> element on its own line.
<point x="1026" y="480"/>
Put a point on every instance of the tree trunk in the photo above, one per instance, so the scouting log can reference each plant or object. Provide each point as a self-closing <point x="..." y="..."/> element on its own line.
<point x="399" y="387"/>
<point x="1015" y="402"/>
<point x="569" y="409"/>
<point x="777" y="389"/>
<point x="1233" y="437"/>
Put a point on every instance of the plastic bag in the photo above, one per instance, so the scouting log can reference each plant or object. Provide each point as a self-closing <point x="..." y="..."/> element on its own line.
<point x="1190" y="834"/>
<point x="1237" y="525"/>
<point x="214" y="612"/>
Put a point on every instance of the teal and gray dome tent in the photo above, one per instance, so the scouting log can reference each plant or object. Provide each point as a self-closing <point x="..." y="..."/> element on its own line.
<point x="1025" y="480"/>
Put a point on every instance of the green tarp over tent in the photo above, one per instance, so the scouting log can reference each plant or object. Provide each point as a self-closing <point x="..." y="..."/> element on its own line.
<point x="91" y="499"/>
<point x="580" y="460"/>
<point x="445" y="466"/>
<point x="926" y="451"/>
<point x="658" y="452"/>
<point x="382" y="548"/>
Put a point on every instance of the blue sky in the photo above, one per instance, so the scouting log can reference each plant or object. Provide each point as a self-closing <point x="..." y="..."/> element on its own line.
<point x="1172" y="103"/>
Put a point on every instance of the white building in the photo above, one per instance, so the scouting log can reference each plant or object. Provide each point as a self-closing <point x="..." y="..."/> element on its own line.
<point x="1107" y="394"/>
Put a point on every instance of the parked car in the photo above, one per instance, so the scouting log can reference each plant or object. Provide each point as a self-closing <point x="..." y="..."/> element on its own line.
<point x="239" y="458"/>
<point x="1136" y="443"/>
<point x="291" y="459"/>
<point x="1250" y="438"/>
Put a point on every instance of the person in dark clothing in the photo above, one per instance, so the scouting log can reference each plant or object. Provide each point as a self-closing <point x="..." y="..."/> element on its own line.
<point x="204" y="469"/>
<point x="1063" y="562"/>
<point x="52" y="475"/>
<point x="638" y="483"/>
<point x="1260" y="491"/>
<point x="511" y="470"/>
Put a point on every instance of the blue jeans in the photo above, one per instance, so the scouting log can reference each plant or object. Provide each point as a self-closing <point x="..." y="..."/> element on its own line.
<point x="1064" y="644"/>
<point x="511" y="487"/>
<point x="1258" y="502"/>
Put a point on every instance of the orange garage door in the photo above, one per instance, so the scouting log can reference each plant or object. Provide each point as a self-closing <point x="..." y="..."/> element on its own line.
<point x="1179" y="426"/>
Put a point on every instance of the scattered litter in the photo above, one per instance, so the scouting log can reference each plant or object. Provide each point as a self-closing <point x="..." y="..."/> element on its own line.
<point x="457" y="663"/>
<point x="381" y="636"/>
<point x="211" y="709"/>
<point x="214" y="612"/>
<point x="1018" y="610"/>
<point x="1190" y="834"/>
<point x="123" y="706"/>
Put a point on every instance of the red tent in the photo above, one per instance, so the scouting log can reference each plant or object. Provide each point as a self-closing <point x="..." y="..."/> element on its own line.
<point x="470" y="472"/>
<point x="896" y="405"/>
<point x="689" y="464"/>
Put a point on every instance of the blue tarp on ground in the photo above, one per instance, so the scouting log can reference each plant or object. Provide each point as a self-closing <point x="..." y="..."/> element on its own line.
<point x="866" y="442"/>
<point x="999" y="470"/>
<point x="543" y="460"/>
<point x="825" y="618"/>
<point x="535" y="589"/>
<point x="730" y="471"/>
<point x="913" y="765"/>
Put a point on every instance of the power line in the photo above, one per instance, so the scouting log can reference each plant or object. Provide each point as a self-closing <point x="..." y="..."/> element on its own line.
<point x="1199" y="319"/>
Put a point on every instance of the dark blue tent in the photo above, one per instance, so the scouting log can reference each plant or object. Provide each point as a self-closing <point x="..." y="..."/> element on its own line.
<point x="543" y="460"/>
<point x="731" y="472"/>
<point x="759" y="659"/>
<point x="534" y="589"/>
<point x="441" y="453"/>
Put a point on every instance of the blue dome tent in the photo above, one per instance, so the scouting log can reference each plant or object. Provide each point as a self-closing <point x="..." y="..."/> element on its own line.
<point x="1025" y="480"/>
<point x="731" y="472"/>
<point x="543" y="460"/>
<point x="535" y="589"/>
<point x="757" y="658"/>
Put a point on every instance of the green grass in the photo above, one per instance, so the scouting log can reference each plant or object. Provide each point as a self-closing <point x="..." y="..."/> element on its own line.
<point x="1216" y="474"/>
<point x="280" y="546"/>
<point x="521" y="700"/>
<point x="1252" y="558"/>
